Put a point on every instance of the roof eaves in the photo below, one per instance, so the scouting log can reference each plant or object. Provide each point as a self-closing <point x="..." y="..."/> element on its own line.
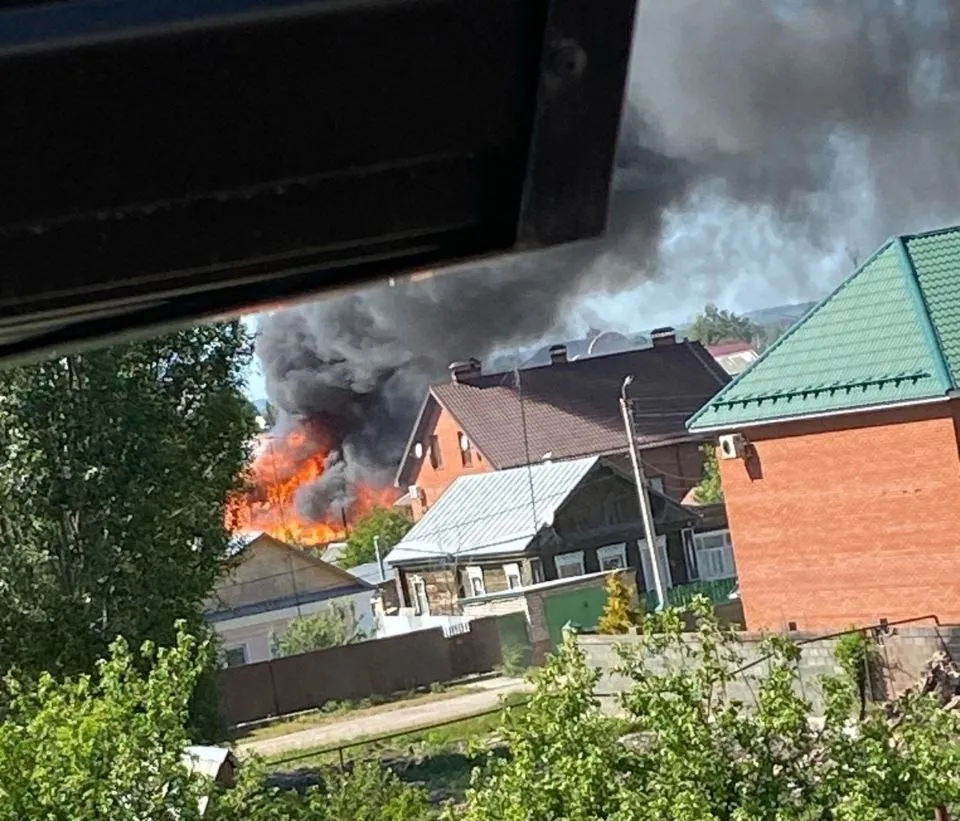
<point x="668" y="503"/>
<point x="710" y="365"/>
<point x="405" y="459"/>
<point x="930" y="334"/>
<point x="802" y="417"/>
<point x="693" y="422"/>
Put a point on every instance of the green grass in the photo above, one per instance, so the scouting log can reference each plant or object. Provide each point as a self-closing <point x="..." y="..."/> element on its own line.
<point x="335" y="710"/>
<point x="439" y="759"/>
<point x="452" y="737"/>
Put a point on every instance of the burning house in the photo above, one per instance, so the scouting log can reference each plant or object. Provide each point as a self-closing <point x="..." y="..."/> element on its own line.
<point x="279" y="497"/>
<point x="716" y="173"/>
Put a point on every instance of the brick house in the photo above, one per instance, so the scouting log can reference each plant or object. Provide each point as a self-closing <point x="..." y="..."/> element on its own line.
<point x="840" y="450"/>
<point x="733" y="357"/>
<point x="510" y="529"/>
<point x="481" y="422"/>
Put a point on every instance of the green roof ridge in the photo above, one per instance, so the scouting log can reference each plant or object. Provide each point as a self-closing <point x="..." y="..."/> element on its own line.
<point x="782" y="339"/>
<point x="923" y="314"/>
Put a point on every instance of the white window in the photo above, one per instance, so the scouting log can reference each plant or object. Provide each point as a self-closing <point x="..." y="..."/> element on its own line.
<point x="421" y="605"/>
<point x="612" y="556"/>
<point x="690" y="554"/>
<point x="663" y="564"/>
<point x="715" y="555"/>
<point x="536" y="570"/>
<point x="656" y="482"/>
<point x="512" y="572"/>
<point x="235" y="656"/>
<point x="569" y="564"/>
<point x="475" y="576"/>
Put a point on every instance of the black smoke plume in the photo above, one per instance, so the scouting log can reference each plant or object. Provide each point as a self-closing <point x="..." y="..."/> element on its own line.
<point x="834" y="122"/>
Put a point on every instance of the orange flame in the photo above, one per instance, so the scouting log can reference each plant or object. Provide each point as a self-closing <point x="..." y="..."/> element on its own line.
<point x="281" y="466"/>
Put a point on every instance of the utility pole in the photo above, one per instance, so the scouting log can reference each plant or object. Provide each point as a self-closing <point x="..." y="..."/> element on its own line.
<point x="376" y="547"/>
<point x="642" y="496"/>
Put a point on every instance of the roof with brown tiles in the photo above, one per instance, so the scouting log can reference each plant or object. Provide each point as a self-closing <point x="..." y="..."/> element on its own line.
<point x="571" y="409"/>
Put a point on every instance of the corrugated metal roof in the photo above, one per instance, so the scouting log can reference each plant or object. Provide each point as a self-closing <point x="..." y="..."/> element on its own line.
<point x="492" y="513"/>
<point x="889" y="334"/>
<point x="370" y="573"/>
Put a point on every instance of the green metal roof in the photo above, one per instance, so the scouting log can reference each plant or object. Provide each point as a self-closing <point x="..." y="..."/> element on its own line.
<point x="890" y="334"/>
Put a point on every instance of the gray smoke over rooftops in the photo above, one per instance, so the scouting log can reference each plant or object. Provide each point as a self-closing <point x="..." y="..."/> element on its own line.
<point x="779" y="133"/>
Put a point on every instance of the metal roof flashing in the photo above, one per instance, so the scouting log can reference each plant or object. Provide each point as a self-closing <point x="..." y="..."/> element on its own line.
<point x="923" y="314"/>
<point x="793" y="387"/>
<point x="694" y="422"/>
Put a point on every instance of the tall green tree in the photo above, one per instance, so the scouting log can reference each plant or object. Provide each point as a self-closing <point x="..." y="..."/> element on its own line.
<point x="115" y="467"/>
<point x="714" y="325"/>
<point x="710" y="489"/>
<point x="389" y="524"/>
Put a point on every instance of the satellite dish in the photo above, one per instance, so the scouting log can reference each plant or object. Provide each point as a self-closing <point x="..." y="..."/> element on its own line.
<point x="418" y="450"/>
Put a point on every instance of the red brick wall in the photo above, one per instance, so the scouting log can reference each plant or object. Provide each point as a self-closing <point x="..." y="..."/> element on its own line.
<point x="848" y="520"/>
<point x="435" y="481"/>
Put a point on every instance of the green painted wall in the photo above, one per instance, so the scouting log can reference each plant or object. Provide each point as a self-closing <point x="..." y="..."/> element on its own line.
<point x="581" y="607"/>
<point x="515" y="641"/>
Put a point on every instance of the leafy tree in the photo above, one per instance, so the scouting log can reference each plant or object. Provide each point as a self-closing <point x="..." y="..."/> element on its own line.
<point x="105" y="745"/>
<point x="710" y="490"/>
<point x="111" y="745"/>
<point x="692" y="754"/>
<point x="619" y="614"/>
<point x="333" y="626"/>
<point x="114" y="470"/>
<point x="390" y="524"/>
<point x="715" y="325"/>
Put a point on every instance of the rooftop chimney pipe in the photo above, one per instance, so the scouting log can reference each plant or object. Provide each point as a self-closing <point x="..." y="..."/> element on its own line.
<point x="663" y="336"/>
<point x="558" y="353"/>
<point x="467" y="369"/>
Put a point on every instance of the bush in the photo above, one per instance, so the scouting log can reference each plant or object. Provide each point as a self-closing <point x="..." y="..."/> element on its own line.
<point x="619" y="614"/>
<point x="366" y="792"/>
<point x="111" y="746"/>
<point x="103" y="746"/>
<point x="334" y="626"/>
<point x="695" y="755"/>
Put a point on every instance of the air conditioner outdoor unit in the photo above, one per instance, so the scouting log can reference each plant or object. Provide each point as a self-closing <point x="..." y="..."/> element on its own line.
<point x="732" y="446"/>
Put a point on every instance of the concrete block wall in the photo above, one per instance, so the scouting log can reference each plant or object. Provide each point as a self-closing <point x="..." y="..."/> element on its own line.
<point x="904" y="652"/>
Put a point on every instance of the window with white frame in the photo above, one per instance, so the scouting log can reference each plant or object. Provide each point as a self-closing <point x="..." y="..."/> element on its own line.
<point x="475" y="577"/>
<point x="235" y="656"/>
<point x="421" y="605"/>
<point x="715" y="555"/>
<point x="690" y="554"/>
<point x="514" y="580"/>
<point x="569" y="564"/>
<point x="536" y="571"/>
<point x="612" y="556"/>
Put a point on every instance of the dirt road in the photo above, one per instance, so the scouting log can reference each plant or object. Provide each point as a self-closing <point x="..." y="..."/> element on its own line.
<point x="352" y="728"/>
